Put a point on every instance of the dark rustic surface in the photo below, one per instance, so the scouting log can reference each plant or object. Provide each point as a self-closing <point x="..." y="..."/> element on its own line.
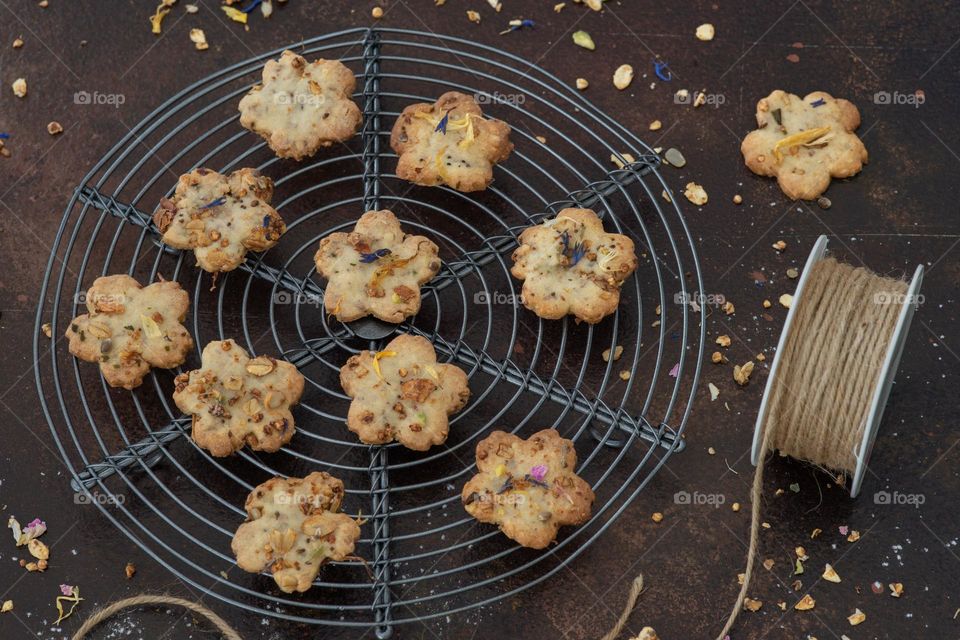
<point x="899" y="212"/>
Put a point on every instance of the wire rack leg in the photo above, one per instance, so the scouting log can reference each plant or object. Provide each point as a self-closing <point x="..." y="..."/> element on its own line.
<point x="380" y="515"/>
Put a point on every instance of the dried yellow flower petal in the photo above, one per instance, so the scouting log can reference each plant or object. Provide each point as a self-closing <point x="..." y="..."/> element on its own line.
<point x="150" y="327"/>
<point x="752" y="605"/>
<point x="157" y="18"/>
<point x="235" y="14"/>
<point x="856" y="617"/>
<point x="199" y="39"/>
<point x="806" y="603"/>
<point x="800" y="138"/>
<point x="830" y="575"/>
<point x="896" y="589"/>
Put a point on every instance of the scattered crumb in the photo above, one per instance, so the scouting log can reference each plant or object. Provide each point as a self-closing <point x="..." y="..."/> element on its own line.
<point x="623" y="76"/>
<point x="47" y="331"/>
<point x="19" y="87"/>
<point x="18" y="43"/>
<point x="130" y="570"/>
<point x="752" y="605"/>
<point x="717" y="358"/>
<point x="723" y="341"/>
<point x="657" y="517"/>
<point x="624" y="375"/>
<point x="728" y="308"/>
<point x="705" y="32"/>
<point x="377" y="13"/>
<point x="741" y="374"/>
<point x="735" y="507"/>
<point x="695" y="193"/>
<point x="856" y="617"/>
<point x="779" y="245"/>
<point x="54" y="127"/>
<point x="617" y="352"/>
<point x="830" y="574"/>
<point x="655" y="125"/>
<point x="582" y="83"/>
<point x="806" y="603"/>
<point x="786" y="300"/>
<point x="473" y="16"/>
<point x="767" y="304"/>
<point x="737" y="199"/>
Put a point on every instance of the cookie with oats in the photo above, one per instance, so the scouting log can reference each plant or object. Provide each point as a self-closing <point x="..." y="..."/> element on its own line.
<point x="129" y="328"/>
<point x="528" y="487"/>
<point x="236" y="400"/>
<point x="300" y="107"/>
<point x="804" y="142"/>
<point x="220" y="217"/>
<point x="293" y="528"/>
<point x="402" y="394"/>
<point x="570" y="265"/>
<point x="377" y="269"/>
<point x="449" y="142"/>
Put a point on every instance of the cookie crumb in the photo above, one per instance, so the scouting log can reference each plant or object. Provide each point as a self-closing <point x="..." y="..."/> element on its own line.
<point x="582" y="83"/>
<point x="735" y="507"/>
<point x="18" y="43"/>
<point x="7" y="606"/>
<point x="624" y="375"/>
<point x="779" y="245"/>
<point x="199" y="39"/>
<point x="728" y="308"/>
<point x="130" y="570"/>
<point x="657" y="517"/>
<point x="786" y="300"/>
<point x="54" y="127"/>
<point x="741" y="374"/>
<point x="473" y="17"/>
<point x="583" y="39"/>
<point x="717" y="358"/>
<point x="655" y="125"/>
<point x="557" y="8"/>
<point x="767" y="304"/>
<point x="377" y="13"/>
<point x="19" y="87"/>
<point x="617" y="352"/>
<point x="47" y="331"/>
<point x="695" y="193"/>
<point x="856" y="617"/>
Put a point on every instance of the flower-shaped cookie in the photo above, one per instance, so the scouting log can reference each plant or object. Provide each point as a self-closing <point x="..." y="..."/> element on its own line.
<point x="302" y="106"/>
<point x="570" y="265"/>
<point x="375" y="270"/>
<point x="449" y="142"/>
<point x="528" y="487"/>
<point x="804" y="142"/>
<point x="402" y="394"/>
<point x="130" y="328"/>
<point x="220" y="217"/>
<point x="293" y="527"/>
<point x="236" y="400"/>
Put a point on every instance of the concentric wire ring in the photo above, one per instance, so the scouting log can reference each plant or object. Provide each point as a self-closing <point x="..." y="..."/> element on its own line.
<point x="428" y="558"/>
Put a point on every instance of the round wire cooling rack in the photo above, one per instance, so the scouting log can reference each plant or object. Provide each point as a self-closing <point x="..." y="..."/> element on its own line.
<point x="129" y="453"/>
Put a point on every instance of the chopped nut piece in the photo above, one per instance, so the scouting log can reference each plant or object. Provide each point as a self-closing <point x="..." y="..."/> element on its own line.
<point x="377" y="13"/>
<point x="896" y="589"/>
<point x="655" y="125"/>
<point x="801" y="553"/>
<point x="199" y="39"/>
<point x="18" y="43"/>
<point x="779" y="245"/>
<point x="705" y="32"/>
<point x="736" y="507"/>
<point x="559" y="7"/>
<point x="806" y="603"/>
<point x="657" y="517"/>
<point x="624" y="375"/>
<point x="7" y="606"/>
<point x="130" y="570"/>
<point x="856" y="617"/>
<point x="854" y="536"/>
<point x="695" y="193"/>
<point x="737" y="199"/>
<point x="47" y="330"/>
<point x="768" y="564"/>
<point x="728" y="308"/>
<point x="617" y="352"/>
<point x="752" y="605"/>
<point x="623" y="76"/>
<point x="260" y="366"/>
<point x="786" y="300"/>
<point x="723" y="341"/>
<point x="582" y="83"/>
<point x="473" y="16"/>
<point x="54" y="127"/>
<point x="741" y="374"/>
<point x="830" y="575"/>
<point x="767" y="304"/>
<point x="717" y="358"/>
<point x="19" y="87"/>
<point x="761" y="357"/>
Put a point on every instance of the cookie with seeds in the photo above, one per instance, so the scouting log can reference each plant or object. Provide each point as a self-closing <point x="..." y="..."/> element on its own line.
<point x="570" y="265"/>
<point x="377" y="269"/>
<point x="528" y="487"/>
<point x="294" y="527"/>
<point x="236" y="400"/>
<point x="403" y="394"/>
<point x="220" y="217"/>
<point x="129" y="328"/>
<point x="449" y="142"/>
<point x="300" y="107"/>
<point x="804" y="142"/>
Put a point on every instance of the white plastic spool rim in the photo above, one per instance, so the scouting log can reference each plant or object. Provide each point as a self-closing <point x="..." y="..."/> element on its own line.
<point x="884" y="381"/>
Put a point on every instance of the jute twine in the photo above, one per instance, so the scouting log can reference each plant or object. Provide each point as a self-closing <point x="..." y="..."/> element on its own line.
<point x="146" y="600"/>
<point x="826" y="377"/>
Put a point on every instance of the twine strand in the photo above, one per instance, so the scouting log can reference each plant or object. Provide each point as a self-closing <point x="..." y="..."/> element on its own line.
<point x="144" y="600"/>
<point x="827" y="374"/>
<point x="635" y="590"/>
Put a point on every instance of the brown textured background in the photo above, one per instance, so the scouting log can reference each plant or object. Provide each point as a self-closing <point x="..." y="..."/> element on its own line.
<point x="899" y="212"/>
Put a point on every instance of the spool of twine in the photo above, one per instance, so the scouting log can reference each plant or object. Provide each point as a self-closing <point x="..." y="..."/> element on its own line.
<point x="828" y="372"/>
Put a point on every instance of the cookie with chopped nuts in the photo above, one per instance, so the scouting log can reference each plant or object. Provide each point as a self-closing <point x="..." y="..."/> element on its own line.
<point x="129" y="328"/>
<point x="570" y="265"/>
<point x="402" y="394"/>
<point x="220" y="217"/>
<point x="804" y="142"/>
<point x="528" y="487"/>
<point x="449" y="142"/>
<point x="293" y="528"/>
<point x="375" y="270"/>
<point x="300" y="107"/>
<point x="236" y="400"/>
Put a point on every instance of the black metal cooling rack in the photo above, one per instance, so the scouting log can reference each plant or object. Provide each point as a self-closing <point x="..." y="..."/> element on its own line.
<point x="130" y="454"/>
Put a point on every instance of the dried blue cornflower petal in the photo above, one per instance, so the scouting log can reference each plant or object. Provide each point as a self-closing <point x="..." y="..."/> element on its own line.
<point x="373" y="256"/>
<point x="442" y="125"/>
<point x="215" y="203"/>
<point x="819" y="102"/>
<point x="659" y="67"/>
<point x="253" y="5"/>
